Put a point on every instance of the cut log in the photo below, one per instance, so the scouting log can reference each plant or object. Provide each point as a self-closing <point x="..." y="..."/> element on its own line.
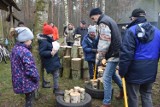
<point x="75" y="97"/>
<point x="80" y="52"/>
<point x="67" y="97"/>
<point x="74" y="52"/>
<point x="68" y="51"/>
<point x="66" y="66"/>
<point x="76" y="68"/>
<point x="82" y="93"/>
<point x="62" y="52"/>
<point x="84" y="69"/>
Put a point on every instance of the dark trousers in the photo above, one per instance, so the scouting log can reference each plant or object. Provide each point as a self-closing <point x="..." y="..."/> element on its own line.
<point x="133" y="91"/>
<point x="91" y="68"/>
<point x="70" y="43"/>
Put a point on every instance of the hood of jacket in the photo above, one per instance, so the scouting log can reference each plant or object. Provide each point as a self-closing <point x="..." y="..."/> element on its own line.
<point x="145" y="32"/>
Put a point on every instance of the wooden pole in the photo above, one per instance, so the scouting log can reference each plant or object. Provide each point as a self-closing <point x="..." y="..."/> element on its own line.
<point x="125" y="92"/>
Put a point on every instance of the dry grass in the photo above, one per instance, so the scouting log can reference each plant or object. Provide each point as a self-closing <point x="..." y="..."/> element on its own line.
<point x="46" y="97"/>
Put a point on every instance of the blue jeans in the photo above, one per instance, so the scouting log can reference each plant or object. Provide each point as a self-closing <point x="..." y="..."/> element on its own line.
<point x="145" y="93"/>
<point x="91" y="68"/>
<point x="108" y="75"/>
<point x="55" y="79"/>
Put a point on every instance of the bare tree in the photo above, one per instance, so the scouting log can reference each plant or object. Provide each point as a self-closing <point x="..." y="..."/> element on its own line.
<point x="66" y="12"/>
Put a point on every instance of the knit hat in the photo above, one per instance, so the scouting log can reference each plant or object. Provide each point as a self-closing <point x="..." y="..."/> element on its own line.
<point x="105" y="31"/>
<point x="83" y="22"/>
<point x="95" y="11"/>
<point x="47" y="29"/>
<point x="138" y="13"/>
<point x="91" y="29"/>
<point x="24" y="34"/>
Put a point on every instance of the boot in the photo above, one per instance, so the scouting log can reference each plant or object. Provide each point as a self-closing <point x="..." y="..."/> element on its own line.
<point x="104" y="105"/>
<point x="29" y="99"/>
<point x="57" y="92"/>
<point x="46" y="84"/>
<point x="120" y="96"/>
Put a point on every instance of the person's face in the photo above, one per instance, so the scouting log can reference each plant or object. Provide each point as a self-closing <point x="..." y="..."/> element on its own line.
<point x="92" y="35"/>
<point x="82" y="25"/>
<point x="28" y="42"/>
<point x="133" y="18"/>
<point x="70" y="26"/>
<point x="94" y="18"/>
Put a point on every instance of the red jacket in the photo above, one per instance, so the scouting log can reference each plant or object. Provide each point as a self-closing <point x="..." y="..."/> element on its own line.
<point x="55" y="33"/>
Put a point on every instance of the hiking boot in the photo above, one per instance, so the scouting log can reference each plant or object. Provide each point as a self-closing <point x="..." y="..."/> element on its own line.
<point x="104" y="105"/>
<point x="46" y="84"/>
<point x="57" y="92"/>
<point x="120" y="96"/>
<point x="29" y="99"/>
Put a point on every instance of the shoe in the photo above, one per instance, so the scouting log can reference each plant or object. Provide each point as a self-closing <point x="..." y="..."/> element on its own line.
<point x="104" y="105"/>
<point x="120" y="96"/>
<point x="57" y="92"/>
<point x="46" y="84"/>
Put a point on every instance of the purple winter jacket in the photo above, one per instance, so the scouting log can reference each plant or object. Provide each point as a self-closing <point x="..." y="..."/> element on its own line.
<point x="25" y="76"/>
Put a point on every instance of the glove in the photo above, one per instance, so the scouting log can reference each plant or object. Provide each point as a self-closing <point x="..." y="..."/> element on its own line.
<point x="94" y="50"/>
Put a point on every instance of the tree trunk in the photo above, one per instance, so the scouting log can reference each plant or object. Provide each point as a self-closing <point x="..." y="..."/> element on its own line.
<point x="66" y="12"/>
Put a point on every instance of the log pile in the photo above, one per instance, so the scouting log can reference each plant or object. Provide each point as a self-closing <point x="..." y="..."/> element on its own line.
<point x="73" y="64"/>
<point x="75" y="95"/>
<point x="96" y="83"/>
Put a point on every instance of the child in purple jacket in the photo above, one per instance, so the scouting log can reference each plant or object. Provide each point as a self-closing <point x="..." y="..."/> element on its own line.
<point x="25" y="76"/>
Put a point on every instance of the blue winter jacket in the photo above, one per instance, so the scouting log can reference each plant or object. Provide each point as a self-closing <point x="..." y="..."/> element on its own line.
<point x="51" y="63"/>
<point x="139" y="55"/>
<point x="88" y="44"/>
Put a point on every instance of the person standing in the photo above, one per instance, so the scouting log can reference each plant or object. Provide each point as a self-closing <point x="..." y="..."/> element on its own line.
<point x="82" y="30"/>
<point x="139" y="57"/>
<point x="89" y="45"/>
<point x="69" y="34"/>
<point x="25" y="75"/>
<point x="49" y="56"/>
<point x="112" y="54"/>
<point x="55" y="32"/>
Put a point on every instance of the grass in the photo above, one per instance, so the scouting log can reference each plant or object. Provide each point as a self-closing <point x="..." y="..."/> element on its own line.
<point x="46" y="97"/>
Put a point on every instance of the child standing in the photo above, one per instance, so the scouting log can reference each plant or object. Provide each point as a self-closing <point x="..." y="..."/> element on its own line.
<point x="49" y="56"/>
<point x="25" y="76"/>
<point x="89" y="45"/>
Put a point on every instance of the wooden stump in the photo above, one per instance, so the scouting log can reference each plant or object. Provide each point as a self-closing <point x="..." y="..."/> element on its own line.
<point x="68" y="51"/>
<point x="62" y="51"/>
<point x="66" y="66"/>
<point x="80" y="52"/>
<point x="75" y="97"/>
<point x="84" y="69"/>
<point x="67" y="97"/>
<point x="74" y="52"/>
<point x="76" y="68"/>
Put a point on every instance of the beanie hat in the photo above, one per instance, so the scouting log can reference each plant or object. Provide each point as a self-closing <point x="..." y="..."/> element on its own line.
<point x="105" y="31"/>
<point x="91" y="29"/>
<point x="47" y="29"/>
<point x="95" y="11"/>
<point x="83" y="22"/>
<point x="24" y="34"/>
<point x="138" y="13"/>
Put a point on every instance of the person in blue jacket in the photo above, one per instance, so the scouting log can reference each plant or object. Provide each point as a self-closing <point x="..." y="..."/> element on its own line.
<point x="139" y="57"/>
<point x="89" y="45"/>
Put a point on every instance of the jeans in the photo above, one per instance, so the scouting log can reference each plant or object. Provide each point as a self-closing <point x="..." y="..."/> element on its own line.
<point x="91" y="68"/>
<point x="55" y="79"/>
<point x="145" y="93"/>
<point x="108" y="75"/>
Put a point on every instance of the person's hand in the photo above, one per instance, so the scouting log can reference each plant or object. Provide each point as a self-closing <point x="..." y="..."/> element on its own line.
<point x="53" y="52"/>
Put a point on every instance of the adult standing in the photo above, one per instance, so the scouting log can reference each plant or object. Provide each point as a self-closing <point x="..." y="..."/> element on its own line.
<point x="139" y="57"/>
<point x="69" y="34"/>
<point x="82" y="30"/>
<point x="112" y="55"/>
